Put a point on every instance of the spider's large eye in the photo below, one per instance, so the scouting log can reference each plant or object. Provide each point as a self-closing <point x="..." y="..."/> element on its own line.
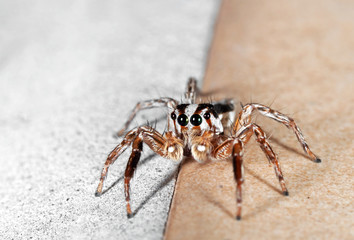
<point x="196" y="120"/>
<point x="182" y="120"/>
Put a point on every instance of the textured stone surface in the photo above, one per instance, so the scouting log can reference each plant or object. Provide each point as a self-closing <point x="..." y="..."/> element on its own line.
<point x="296" y="56"/>
<point x="70" y="72"/>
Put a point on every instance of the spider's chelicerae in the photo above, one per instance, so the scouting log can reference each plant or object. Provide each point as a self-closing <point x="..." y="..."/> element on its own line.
<point x="196" y="130"/>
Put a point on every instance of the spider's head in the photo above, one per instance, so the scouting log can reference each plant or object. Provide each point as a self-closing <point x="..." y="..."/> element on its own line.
<point x="187" y="117"/>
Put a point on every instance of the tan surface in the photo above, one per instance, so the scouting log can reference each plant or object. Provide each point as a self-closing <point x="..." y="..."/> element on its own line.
<point x="298" y="55"/>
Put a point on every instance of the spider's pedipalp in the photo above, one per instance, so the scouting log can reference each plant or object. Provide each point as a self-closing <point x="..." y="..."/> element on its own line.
<point x="201" y="146"/>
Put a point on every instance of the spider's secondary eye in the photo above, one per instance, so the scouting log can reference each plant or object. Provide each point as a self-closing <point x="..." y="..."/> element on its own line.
<point x="196" y="120"/>
<point x="182" y="120"/>
<point x="173" y="116"/>
<point x="206" y="115"/>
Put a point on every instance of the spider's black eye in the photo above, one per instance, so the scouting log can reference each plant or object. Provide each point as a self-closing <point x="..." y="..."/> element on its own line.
<point x="173" y="116"/>
<point x="206" y="115"/>
<point x="196" y="120"/>
<point x="182" y="120"/>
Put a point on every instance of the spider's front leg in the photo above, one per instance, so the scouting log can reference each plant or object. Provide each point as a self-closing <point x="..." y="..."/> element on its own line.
<point x="233" y="147"/>
<point x="166" y="146"/>
<point x="237" y="154"/>
<point x="112" y="157"/>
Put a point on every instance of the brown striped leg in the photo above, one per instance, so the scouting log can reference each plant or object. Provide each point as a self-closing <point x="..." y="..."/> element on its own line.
<point x="159" y="144"/>
<point x="154" y="103"/>
<point x="237" y="153"/>
<point x="244" y="119"/>
<point x="191" y="91"/>
<point x="131" y="166"/>
<point x="233" y="147"/>
<point x="267" y="149"/>
<point x="272" y="157"/>
<point x="168" y="146"/>
<point x="117" y="151"/>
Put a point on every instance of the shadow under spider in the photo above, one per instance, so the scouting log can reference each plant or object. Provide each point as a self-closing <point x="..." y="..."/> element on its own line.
<point x="145" y="160"/>
<point x="161" y="185"/>
<point x="253" y="174"/>
<point x="290" y="149"/>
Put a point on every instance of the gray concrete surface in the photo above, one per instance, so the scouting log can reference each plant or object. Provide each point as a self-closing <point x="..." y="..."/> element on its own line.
<point x="70" y="72"/>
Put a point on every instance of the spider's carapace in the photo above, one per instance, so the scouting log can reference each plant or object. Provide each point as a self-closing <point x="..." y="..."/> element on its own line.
<point x="197" y="130"/>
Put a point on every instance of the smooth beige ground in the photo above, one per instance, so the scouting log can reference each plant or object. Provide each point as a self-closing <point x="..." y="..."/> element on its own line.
<point x="297" y="56"/>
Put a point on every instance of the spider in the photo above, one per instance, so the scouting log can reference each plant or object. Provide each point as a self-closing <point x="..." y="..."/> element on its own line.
<point x="196" y="130"/>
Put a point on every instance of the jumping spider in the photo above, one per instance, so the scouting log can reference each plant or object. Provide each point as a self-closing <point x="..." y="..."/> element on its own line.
<point x="196" y="130"/>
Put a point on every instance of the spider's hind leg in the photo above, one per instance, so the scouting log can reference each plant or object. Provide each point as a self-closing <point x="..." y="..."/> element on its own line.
<point x="154" y="103"/>
<point x="191" y="91"/>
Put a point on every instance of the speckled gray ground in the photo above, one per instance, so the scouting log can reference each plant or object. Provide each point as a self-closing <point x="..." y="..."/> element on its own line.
<point x="70" y="72"/>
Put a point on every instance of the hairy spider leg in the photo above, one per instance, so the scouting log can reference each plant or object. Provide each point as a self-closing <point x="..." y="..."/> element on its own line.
<point x="237" y="154"/>
<point x="134" y="158"/>
<point x="233" y="147"/>
<point x="191" y="91"/>
<point x="166" y="146"/>
<point x="114" y="154"/>
<point x="153" y="103"/>
<point x="244" y="119"/>
<point x="245" y="135"/>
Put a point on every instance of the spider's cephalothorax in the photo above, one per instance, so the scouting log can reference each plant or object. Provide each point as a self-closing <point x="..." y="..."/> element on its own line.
<point x="196" y="125"/>
<point x="196" y="117"/>
<point x="197" y="130"/>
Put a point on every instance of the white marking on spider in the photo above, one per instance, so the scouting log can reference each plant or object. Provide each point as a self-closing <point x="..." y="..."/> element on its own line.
<point x="201" y="148"/>
<point x="171" y="149"/>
